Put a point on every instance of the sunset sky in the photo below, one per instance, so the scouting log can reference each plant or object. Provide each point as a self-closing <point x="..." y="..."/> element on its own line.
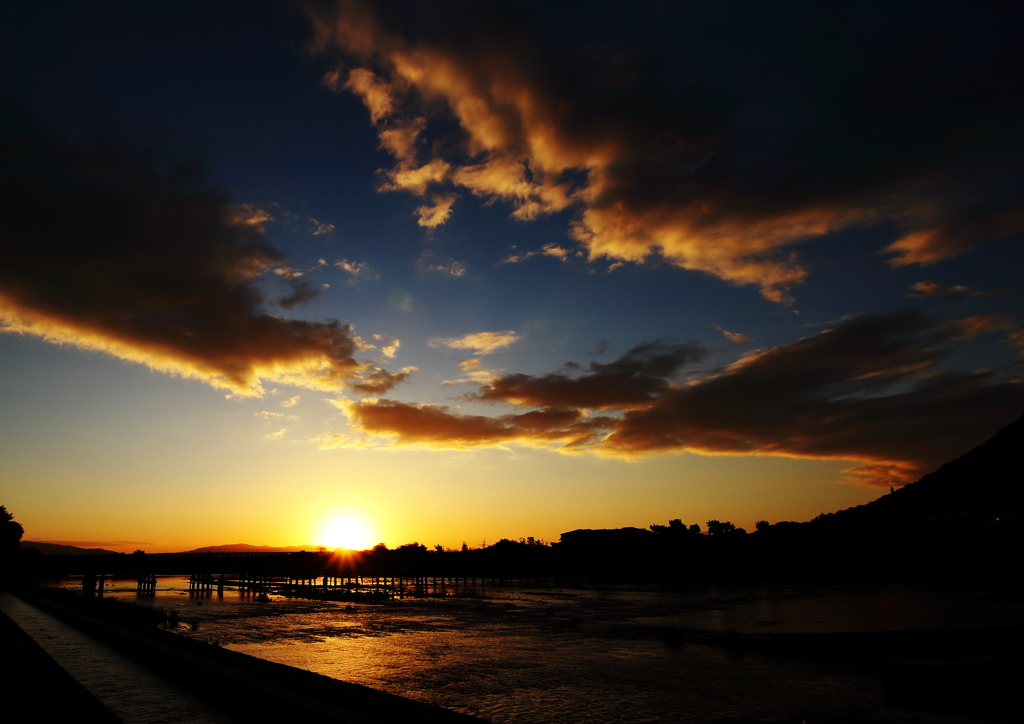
<point x="457" y="271"/>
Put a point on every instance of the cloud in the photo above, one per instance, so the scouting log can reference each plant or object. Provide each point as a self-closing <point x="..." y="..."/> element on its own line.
<point x="634" y="380"/>
<point x="291" y="401"/>
<point x="336" y="440"/>
<point x="249" y="214"/>
<point x="389" y="345"/>
<point x="978" y="324"/>
<point x="475" y="374"/>
<point x="376" y="380"/>
<point x="957" y="235"/>
<point x="320" y="228"/>
<point x="357" y="270"/>
<point x="717" y="146"/>
<point x="426" y="264"/>
<point x="268" y="416"/>
<point x="437" y="212"/>
<point x="112" y="249"/>
<point x="480" y="342"/>
<point x="734" y="337"/>
<point x="438" y="427"/>
<point x="263" y="214"/>
<point x="1015" y="339"/>
<point x="958" y="292"/>
<point x="553" y="250"/>
<point x="869" y="391"/>
<point x="375" y="94"/>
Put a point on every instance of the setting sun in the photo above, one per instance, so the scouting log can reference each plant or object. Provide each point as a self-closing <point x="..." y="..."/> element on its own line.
<point x="349" y="531"/>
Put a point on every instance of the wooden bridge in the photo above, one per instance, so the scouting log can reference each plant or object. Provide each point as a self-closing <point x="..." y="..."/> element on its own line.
<point x="318" y="575"/>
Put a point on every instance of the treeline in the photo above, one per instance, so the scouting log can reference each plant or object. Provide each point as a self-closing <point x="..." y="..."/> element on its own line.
<point x="606" y="542"/>
<point x="855" y="543"/>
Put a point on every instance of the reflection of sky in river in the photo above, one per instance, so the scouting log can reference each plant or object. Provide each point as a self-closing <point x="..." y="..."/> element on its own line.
<point x="584" y="654"/>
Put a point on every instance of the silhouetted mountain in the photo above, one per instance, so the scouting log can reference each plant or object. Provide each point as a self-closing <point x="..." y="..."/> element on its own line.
<point x="983" y="484"/>
<point x="984" y="481"/>
<point x="56" y="549"/>
<point x="246" y="548"/>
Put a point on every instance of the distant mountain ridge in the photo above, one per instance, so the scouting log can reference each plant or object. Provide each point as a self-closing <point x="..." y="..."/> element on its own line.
<point x="57" y="549"/>
<point x="247" y="548"/>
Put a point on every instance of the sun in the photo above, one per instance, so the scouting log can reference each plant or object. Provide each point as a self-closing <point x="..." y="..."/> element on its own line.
<point x="348" y="531"/>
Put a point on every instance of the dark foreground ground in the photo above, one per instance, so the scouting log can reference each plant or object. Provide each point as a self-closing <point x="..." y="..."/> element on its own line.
<point x="33" y="683"/>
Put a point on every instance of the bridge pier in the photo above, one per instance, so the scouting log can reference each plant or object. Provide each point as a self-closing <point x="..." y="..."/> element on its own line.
<point x="146" y="584"/>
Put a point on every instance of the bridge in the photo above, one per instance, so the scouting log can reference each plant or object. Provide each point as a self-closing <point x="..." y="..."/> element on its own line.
<point x="362" y="576"/>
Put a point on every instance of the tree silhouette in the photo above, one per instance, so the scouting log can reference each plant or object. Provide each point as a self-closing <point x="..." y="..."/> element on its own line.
<point x="10" y="533"/>
<point x="762" y="525"/>
<point x="717" y="527"/>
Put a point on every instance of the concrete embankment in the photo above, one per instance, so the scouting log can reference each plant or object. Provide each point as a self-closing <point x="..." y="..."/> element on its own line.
<point x="248" y="686"/>
<point x="35" y="687"/>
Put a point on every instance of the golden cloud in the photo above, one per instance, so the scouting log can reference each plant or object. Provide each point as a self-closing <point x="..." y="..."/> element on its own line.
<point x="437" y="212"/>
<point x="475" y="374"/>
<point x="480" y="342"/>
<point x="734" y="337"/>
<point x="437" y="427"/>
<point x="552" y="250"/>
<point x="958" y="292"/>
<point x="866" y="391"/>
<point x="705" y="175"/>
<point x="357" y="270"/>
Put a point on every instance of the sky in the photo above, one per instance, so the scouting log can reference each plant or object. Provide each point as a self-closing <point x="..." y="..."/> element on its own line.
<point x="340" y="273"/>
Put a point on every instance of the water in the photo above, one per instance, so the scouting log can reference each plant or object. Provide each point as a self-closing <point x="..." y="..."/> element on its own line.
<point x="533" y="655"/>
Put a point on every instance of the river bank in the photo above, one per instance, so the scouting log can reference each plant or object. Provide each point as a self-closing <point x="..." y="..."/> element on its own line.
<point x="247" y="686"/>
<point x="34" y="682"/>
<point x="604" y="655"/>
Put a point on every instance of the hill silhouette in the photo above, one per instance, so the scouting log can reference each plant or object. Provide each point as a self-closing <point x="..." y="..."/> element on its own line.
<point x="982" y="485"/>
<point x="57" y="549"/>
<point x="984" y="481"/>
<point x="958" y="521"/>
<point x="247" y="548"/>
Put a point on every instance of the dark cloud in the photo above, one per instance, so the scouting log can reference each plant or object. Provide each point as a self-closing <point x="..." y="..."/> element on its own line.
<point x="437" y="426"/>
<point x="634" y="380"/>
<point x="373" y="381"/>
<point x="868" y="391"/>
<point x="715" y="134"/>
<point x="302" y="292"/>
<point x="109" y="247"/>
<point x="957" y="292"/>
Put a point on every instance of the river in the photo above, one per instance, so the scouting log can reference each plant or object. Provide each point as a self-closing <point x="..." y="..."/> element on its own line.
<point x="533" y="655"/>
